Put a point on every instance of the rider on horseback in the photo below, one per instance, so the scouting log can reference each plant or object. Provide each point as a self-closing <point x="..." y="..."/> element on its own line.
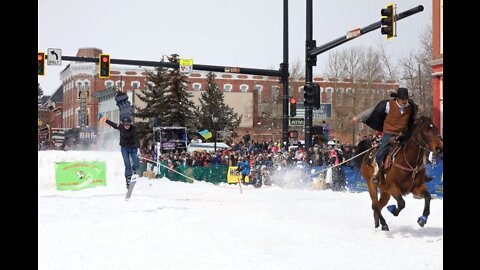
<point x="393" y="117"/>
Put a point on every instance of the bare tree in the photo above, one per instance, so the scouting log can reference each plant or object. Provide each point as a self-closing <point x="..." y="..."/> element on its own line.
<point x="335" y="70"/>
<point x="297" y="70"/>
<point x="371" y="68"/>
<point x="389" y="70"/>
<point x="335" y="65"/>
<point x="346" y="64"/>
<point x="416" y="72"/>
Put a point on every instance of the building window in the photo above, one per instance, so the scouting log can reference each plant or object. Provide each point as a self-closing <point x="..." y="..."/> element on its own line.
<point x="86" y="85"/>
<point x="227" y="87"/>
<point x="328" y="95"/>
<point x="197" y="86"/>
<point x="339" y="95"/>
<point x="87" y="94"/>
<point x="244" y="88"/>
<point x="275" y="90"/>
<point x="259" y="89"/>
<point x="108" y="84"/>
<point x="120" y="84"/>
<point x="348" y="96"/>
<point x="79" y="85"/>
<point x="135" y="85"/>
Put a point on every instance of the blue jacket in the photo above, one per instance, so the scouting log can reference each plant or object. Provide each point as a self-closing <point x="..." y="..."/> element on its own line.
<point x="245" y="165"/>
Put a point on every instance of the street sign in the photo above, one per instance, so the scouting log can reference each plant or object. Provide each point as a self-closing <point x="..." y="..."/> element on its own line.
<point x="186" y="66"/>
<point x="354" y="33"/>
<point x="54" y="57"/>
<point x="325" y="111"/>
<point x="297" y="121"/>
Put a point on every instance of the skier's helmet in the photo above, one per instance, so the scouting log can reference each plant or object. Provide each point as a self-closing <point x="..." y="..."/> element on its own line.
<point x="127" y="120"/>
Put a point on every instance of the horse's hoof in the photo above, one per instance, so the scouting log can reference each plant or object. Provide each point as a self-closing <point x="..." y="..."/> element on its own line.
<point x="422" y="221"/>
<point x="385" y="228"/>
<point x="391" y="208"/>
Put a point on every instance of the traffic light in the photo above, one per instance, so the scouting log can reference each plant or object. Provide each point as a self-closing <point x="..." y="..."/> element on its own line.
<point x="316" y="96"/>
<point x="388" y="21"/>
<point x="293" y="107"/>
<point x="307" y="95"/>
<point x="311" y="95"/>
<point x="293" y="134"/>
<point x="104" y="66"/>
<point x="41" y="63"/>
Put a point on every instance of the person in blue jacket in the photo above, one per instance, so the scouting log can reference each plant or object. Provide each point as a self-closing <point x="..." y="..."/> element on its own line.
<point x="244" y="167"/>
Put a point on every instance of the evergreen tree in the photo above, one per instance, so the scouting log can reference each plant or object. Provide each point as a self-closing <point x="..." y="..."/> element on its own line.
<point x="213" y="100"/>
<point x="179" y="109"/>
<point x="153" y="95"/>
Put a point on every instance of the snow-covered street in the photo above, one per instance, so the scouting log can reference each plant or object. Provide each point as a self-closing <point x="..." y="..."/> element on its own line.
<point x="175" y="225"/>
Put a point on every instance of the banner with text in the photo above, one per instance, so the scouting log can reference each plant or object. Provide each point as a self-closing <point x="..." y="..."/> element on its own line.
<point x="79" y="175"/>
<point x="234" y="176"/>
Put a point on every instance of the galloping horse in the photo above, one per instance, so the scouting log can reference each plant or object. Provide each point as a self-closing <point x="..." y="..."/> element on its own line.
<point x="406" y="173"/>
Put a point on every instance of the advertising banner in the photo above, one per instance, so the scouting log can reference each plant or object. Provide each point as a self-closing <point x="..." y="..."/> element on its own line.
<point x="234" y="177"/>
<point x="356" y="183"/>
<point x="79" y="175"/>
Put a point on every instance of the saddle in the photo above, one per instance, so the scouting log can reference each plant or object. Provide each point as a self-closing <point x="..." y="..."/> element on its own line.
<point x="389" y="157"/>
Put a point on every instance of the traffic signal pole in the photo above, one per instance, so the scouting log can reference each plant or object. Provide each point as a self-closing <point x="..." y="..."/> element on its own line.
<point x="241" y="70"/>
<point x="284" y="77"/>
<point x="310" y="61"/>
<point x="339" y="41"/>
<point x="311" y="52"/>
<point x="282" y="73"/>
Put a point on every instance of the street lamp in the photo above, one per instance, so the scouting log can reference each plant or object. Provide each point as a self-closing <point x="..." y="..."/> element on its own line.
<point x="215" y="121"/>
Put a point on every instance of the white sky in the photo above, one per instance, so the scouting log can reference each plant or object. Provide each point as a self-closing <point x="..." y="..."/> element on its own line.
<point x="174" y="225"/>
<point x="247" y="33"/>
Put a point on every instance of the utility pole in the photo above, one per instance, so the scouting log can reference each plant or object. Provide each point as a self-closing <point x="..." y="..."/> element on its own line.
<point x="311" y="52"/>
<point x="311" y="60"/>
<point x="284" y="76"/>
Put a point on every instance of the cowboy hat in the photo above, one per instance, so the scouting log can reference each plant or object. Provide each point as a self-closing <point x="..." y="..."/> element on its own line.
<point x="402" y="92"/>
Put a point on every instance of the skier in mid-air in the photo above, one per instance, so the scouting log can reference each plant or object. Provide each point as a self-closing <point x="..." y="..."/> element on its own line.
<point x="129" y="145"/>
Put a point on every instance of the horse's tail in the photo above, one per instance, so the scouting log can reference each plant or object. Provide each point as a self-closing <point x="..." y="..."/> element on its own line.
<point x="361" y="147"/>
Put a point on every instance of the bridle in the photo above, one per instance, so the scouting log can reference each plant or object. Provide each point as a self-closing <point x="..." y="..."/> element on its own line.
<point x="419" y="161"/>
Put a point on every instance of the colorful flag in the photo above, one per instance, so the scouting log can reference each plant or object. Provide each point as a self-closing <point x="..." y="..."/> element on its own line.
<point x="102" y="117"/>
<point x="205" y="134"/>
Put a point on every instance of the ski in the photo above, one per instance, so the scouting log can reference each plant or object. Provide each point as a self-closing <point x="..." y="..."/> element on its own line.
<point x="130" y="189"/>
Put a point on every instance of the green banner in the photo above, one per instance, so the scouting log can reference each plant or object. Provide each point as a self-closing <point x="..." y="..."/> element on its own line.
<point x="79" y="175"/>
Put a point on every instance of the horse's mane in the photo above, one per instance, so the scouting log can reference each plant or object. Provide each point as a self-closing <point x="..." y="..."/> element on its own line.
<point x="419" y="122"/>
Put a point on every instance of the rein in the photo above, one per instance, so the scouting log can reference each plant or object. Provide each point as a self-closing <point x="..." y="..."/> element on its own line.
<point x="419" y="160"/>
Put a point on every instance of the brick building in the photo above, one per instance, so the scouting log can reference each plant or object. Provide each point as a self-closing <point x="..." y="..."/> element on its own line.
<point x="437" y="63"/>
<point x="81" y="76"/>
<point x="263" y="110"/>
<point x="258" y="98"/>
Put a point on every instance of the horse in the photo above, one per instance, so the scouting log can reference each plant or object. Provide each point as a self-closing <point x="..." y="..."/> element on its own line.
<point x="406" y="173"/>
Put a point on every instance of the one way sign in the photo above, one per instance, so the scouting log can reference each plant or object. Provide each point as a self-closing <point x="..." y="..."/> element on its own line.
<point x="54" y="57"/>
